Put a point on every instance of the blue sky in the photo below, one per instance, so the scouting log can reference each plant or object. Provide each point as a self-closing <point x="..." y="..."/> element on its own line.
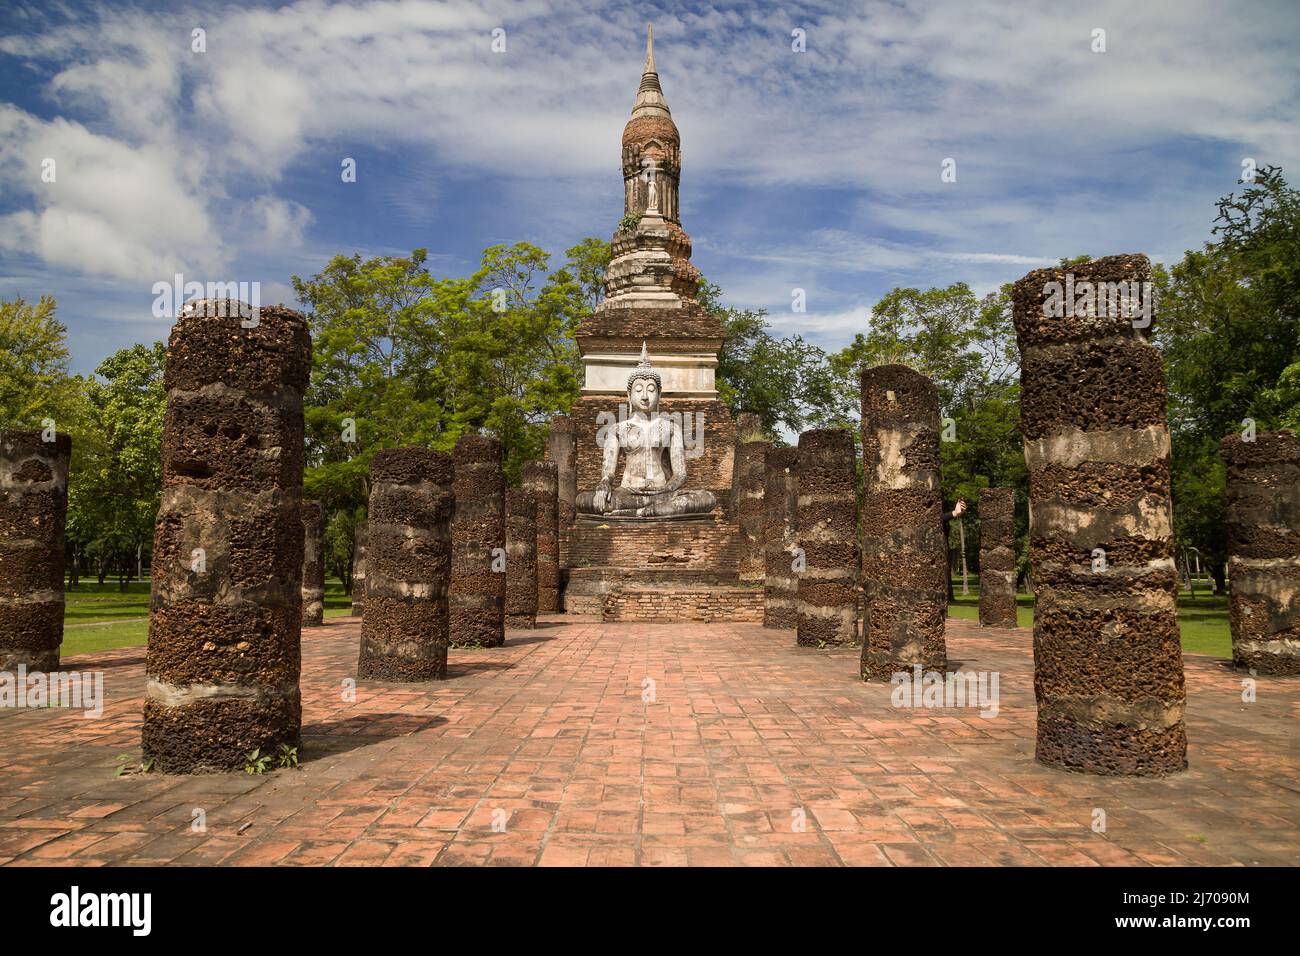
<point x="817" y="170"/>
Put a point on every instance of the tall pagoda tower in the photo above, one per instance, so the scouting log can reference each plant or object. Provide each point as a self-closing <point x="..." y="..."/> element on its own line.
<point x="650" y="299"/>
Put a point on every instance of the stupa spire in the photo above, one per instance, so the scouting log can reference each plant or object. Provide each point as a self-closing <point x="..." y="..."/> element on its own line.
<point x="650" y="95"/>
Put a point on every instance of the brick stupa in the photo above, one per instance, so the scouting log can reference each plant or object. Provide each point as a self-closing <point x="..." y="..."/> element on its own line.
<point x="650" y="299"/>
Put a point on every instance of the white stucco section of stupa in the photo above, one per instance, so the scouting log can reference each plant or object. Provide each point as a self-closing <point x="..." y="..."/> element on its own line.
<point x="685" y="375"/>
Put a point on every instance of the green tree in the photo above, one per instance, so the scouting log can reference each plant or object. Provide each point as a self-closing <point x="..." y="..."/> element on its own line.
<point x="115" y="484"/>
<point x="371" y="368"/>
<point x="1229" y="331"/>
<point x="786" y="382"/>
<point x="966" y="344"/>
<point x="34" y="380"/>
<point x="403" y="358"/>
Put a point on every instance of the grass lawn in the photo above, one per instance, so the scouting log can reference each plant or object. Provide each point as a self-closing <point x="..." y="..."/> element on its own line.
<point x="98" y="618"/>
<point x="1202" y="620"/>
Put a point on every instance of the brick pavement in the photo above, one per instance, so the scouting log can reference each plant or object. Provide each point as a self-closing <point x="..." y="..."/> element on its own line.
<point x="549" y="741"/>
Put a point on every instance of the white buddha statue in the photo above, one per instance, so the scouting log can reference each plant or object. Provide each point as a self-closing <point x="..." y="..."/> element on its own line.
<point x="651" y="486"/>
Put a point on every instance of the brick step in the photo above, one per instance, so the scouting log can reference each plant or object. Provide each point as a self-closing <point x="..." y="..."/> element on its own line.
<point x="668" y="603"/>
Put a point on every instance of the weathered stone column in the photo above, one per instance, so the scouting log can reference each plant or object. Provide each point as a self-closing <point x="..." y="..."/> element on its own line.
<point x="521" y="559"/>
<point x="408" y="566"/>
<point x="313" y="564"/>
<point x="359" y="569"/>
<point x="562" y="449"/>
<point x="33" y="516"/>
<point x="780" y="521"/>
<point x="828" y="530"/>
<point x="540" y="479"/>
<point x="904" y="554"/>
<point x="1263" y="517"/>
<point x="749" y="508"/>
<point x="1108" y="666"/>
<point x="478" y="538"/>
<point x="998" y="557"/>
<point x="749" y="428"/>
<point x="226" y="609"/>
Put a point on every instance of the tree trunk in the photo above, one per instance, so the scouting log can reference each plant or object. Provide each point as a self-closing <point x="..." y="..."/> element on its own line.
<point x="1219" y="572"/>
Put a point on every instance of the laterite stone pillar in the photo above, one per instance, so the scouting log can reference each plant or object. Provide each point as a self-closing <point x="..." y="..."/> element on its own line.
<point x="226" y="607"/>
<point x="780" y="521"/>
<point x="521" y="559"/>
<point x="478" y="539"/>
<point x="33" y="516"/>
<point x="998" y="557"/>
<point x="1108" y="665"/>
<point x="749" y="482"/>
<point x="904" y="554"/>
<point x="359" y="569"/>
<point x="1263" y="517"/>
<point x="313" y="564"/>
<point x="562" y="449"/>
<point x="828" y="527"/>
<point x="408" y="566"/>
<point x="541" y="480"/>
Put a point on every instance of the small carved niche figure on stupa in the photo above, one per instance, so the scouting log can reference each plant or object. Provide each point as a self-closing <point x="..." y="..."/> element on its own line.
<point x="651" y="486"/>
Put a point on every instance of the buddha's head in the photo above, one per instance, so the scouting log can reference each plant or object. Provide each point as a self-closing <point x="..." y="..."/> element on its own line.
<point x="643" y="385"/>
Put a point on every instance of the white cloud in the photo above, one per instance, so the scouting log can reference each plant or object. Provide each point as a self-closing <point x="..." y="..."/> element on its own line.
<point x="170" y="160"/>
<point x="269" y="222"/>
<point x="112" y="209"/>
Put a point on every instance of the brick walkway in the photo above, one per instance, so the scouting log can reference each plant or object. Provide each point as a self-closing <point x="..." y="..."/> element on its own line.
<point x="746" y="735"/>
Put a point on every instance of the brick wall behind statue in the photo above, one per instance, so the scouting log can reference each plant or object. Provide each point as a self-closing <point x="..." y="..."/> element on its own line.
<point x="710" y="470"/>
<point x="681" y="544"/>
